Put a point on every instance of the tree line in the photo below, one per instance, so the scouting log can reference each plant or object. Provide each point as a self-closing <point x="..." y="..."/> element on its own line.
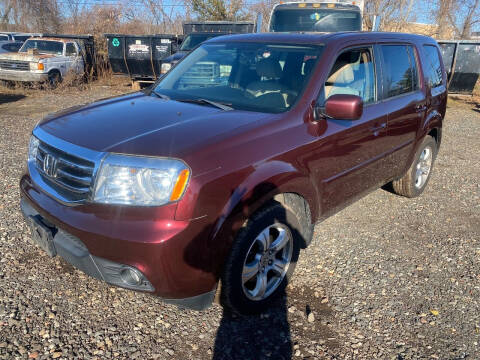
<point x="450" y="18"/>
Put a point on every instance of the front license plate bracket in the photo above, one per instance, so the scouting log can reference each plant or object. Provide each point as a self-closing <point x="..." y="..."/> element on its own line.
<point x="43" y="235"/>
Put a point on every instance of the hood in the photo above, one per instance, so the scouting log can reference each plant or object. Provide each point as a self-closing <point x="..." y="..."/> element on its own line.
<point x="176" y="57"/>
<point x="147" y="125"/>
<point x="24" y="56"/>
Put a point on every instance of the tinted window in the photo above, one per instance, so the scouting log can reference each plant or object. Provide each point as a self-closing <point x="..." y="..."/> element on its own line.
<point x="400" y="70"/>
<point x="3" y="37"/>
<point x="433" y="67"/>
<point x="353" y="74"/>
<point x="318" y="20"/>
<point x="70" y="50"/>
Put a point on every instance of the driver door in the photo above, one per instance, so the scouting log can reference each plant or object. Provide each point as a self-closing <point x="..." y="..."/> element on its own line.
<point x="351" y="155"/>
<point x="74" y="61"/>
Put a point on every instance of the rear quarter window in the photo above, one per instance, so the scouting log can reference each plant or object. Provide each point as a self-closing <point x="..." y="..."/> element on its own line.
<point x="433" y="67"/>
<point x="400" y="73"/>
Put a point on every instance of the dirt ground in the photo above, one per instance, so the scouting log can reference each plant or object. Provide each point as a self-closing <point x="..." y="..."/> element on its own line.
<point x="386" y="278"/>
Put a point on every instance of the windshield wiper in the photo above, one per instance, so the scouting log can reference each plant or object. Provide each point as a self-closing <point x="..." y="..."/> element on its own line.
<point x="216" y="104"/>
<point x="161" y="96"/>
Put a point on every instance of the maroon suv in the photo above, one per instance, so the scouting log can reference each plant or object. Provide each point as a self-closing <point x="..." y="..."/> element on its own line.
<point x="217" y="173"/>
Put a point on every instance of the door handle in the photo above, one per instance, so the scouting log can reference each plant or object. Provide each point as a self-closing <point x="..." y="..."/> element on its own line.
<point x="420" y="108"/>
<point x="379" y="127"/>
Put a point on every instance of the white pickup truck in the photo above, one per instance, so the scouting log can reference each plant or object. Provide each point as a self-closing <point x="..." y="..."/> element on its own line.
<point x="43" y="59"/>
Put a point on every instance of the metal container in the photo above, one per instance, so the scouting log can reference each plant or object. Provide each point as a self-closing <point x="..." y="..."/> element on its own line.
<point x="462" y="63"/>
<point x="140" y="56"/>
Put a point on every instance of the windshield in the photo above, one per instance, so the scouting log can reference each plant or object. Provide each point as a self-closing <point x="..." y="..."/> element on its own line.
<point x="43" y="46"/>
<point x="248" y="76"/>
<point x="193" y="40"/>
<point x="318" y="20"/>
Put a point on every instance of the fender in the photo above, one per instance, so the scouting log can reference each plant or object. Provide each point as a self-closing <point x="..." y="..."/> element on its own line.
<point x="257" y="188"/>
<point x="433" y="120"/>
<point x="269" y="179"/>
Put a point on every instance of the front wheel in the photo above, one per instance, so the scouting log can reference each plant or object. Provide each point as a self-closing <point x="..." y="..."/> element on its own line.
<point x="416" y="179"/>
<point x="262" y="260"/>
<point x="54" y="78"/>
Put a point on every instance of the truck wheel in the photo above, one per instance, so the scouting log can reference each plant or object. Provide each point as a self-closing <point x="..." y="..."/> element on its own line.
<point x="415" y="180"/>
<point x="262" y="260"/>
<point x="54" y="78"/>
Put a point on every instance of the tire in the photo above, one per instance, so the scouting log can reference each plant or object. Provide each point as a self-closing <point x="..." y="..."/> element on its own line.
<point x="253" y="262"/>
<point x="54" y="78"/>
<point x="416" y="178"/>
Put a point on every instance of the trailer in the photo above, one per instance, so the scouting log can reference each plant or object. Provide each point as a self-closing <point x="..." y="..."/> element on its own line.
<point x="140" y="56"/>
<point x="462" y="63"/>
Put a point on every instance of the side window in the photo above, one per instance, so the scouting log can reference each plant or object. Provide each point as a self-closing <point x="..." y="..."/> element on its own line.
<point x="70" y="50"/>
<point x="400" y="70"/>
<point x="433" y="67"/>
<point x="353" y="73"/>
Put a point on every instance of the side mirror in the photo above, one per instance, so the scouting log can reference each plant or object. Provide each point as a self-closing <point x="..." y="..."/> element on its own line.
<point x="344" y="107"/>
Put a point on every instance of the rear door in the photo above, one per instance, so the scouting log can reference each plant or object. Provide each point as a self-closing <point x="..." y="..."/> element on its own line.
<point x="405" y="100"/>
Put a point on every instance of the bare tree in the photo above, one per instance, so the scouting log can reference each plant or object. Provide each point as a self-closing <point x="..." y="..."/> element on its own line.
<point x="218" y="9"/>
<point x="394" y="14"/>
<point x="6" y="7"/>
<point x="264" y="8"/>
<point x="456" y="18"/>
<point x="74" y="9"/>
<point x="472" y="17"/>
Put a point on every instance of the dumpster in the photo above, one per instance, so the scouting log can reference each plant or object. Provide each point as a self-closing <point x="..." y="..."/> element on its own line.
<point x="462" y="63"/>
<point x="228" y="27"/>
<point x="140" y="56"/>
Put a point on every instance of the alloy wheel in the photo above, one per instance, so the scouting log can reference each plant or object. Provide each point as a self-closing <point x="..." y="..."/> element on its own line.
<point x="267" y="262"/>
<point x="424" y="166"/>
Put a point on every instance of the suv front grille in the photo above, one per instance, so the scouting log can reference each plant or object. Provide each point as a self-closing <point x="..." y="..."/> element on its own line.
<point x="68" y="174"/>
<point x="14" y="65"/>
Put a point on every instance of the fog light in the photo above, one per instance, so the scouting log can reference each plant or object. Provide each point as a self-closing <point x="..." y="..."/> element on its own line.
<point x="131" y="276"/>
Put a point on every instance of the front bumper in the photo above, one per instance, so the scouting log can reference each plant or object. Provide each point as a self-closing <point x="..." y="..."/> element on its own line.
<point x="28" y="76"/>
<point x="71" y="249"/>
<point x="102" y="240"/>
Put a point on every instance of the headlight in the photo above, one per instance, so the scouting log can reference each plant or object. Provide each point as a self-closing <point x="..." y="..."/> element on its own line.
<point x="33" y="148"/>
<point x="131" y="180"/>
<point x="37" y="66"/>
<point x="165" y="68"/>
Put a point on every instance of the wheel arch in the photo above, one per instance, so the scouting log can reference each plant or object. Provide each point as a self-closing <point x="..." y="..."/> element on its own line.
<point x="54" y="70"/>
<point x="433" y="127"/>
<point x="272" y="181"/>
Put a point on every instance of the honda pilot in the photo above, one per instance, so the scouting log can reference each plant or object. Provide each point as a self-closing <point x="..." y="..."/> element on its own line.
<point x="199" y="191"/>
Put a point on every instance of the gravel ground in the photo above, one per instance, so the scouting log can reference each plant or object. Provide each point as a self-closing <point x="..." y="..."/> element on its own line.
<point x="387" y="278"/>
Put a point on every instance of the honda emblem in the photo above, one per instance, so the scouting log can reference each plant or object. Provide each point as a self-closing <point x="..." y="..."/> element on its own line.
<point x="50" y="165"/>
